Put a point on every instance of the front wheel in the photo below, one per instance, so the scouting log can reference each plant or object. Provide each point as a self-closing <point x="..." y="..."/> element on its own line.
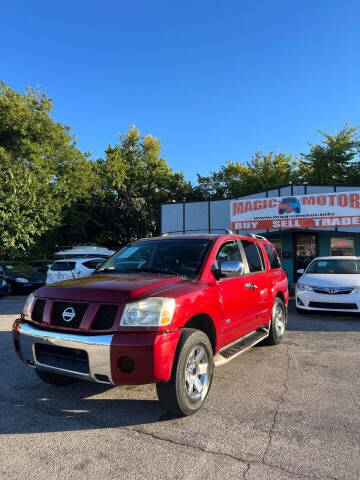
<point x="278" y="322"/>
<point x="191" y="377"/>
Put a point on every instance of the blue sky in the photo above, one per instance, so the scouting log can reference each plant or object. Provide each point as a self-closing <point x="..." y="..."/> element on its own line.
<point x="214" y="80"/>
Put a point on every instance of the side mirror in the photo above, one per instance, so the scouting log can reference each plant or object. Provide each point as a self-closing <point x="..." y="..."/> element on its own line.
<point x="232" y="269"/>
<point x="301" y="271"/>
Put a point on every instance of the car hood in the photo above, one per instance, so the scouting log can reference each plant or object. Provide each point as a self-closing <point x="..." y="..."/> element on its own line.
<point x="330" y="280"/>
<point x="32" y="277"/>
<point x="109" y="287"/>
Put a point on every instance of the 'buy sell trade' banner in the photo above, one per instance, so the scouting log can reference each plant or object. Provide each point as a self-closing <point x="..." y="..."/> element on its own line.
<point x="324" y="210"/>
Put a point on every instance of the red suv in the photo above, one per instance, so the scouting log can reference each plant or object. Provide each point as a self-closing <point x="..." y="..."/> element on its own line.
<point x="162" y="310"/>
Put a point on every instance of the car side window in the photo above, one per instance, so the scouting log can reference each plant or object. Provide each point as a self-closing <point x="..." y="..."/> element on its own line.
<point x="273" y="257"/>
<point x="229" y="252"/>
<point x="253" y="256"/>
<point x="92" y="264"/>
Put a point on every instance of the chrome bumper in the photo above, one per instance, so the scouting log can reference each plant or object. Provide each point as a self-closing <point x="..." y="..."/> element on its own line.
<point x="97" y="349"/>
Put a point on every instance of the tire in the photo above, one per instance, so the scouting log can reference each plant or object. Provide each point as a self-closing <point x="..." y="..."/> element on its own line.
<point x="278" y="322"/>
<point x="301" y="311"/>
<point x="180" y="396"/>
<point x="54" y="378"/>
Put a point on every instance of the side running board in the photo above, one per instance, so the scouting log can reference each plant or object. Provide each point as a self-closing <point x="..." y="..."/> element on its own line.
<point x="240" y="346"/>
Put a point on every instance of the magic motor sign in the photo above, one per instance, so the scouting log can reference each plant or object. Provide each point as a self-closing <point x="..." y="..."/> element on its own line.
<point x="324" y="210"/>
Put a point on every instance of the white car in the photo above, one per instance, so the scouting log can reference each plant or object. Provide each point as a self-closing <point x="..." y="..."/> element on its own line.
<point x="72" y="268"/>
<point x="329" y="283"/>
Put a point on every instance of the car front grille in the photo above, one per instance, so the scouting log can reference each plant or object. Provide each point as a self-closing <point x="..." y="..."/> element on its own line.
<point x="65" y="358"/>
<point x="105" y="317"/>
<point x="334" y="306"/>
<point x="334" y="291"/>
<point x="38" y="311"/>
<point x="58" y="310"/>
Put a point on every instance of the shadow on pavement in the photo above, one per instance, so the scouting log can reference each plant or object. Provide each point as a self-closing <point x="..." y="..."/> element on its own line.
<point x="29" y="405"/>
<point x="322" y="321"/>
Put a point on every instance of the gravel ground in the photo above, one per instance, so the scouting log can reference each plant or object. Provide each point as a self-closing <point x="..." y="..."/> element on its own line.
<point x="286" y="412"/>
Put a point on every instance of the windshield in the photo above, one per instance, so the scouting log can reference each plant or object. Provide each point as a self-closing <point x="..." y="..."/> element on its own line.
<point x="18" y="269"/>
<point x="334" y="266"/>
<point x="175" y="257"/>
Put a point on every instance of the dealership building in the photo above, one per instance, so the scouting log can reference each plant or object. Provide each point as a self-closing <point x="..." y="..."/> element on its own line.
<point x="303" y="221"/>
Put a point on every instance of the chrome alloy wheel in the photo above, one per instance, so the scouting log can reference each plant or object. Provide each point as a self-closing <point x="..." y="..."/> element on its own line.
<point x="197" y="374"/>
<point x="279" y="319"/>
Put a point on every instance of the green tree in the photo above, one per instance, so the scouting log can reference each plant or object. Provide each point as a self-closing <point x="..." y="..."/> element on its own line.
<point x="334" y="159"/>
<point x="135" y="180"/>
<point x="26" y="211"/>
<point x="264" y="171"/>
<point x="41" y="155"/>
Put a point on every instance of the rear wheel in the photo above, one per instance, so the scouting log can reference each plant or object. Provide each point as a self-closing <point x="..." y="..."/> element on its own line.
<point x="54" y="378"/>
<point x="278" y="322"/>
<point x="190" y="381"/>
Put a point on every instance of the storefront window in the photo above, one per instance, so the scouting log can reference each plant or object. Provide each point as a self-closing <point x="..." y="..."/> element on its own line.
<point x="342" y="246"/>
<point x="305" y="250"/>
<point x="277" y="242"/>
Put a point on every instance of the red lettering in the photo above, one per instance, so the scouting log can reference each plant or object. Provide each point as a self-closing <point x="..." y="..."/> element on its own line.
<point x="332" y="199"/>
<point x="248" y="206"/>
<point x="308" y="200"/>
<point x="272" y="203"/>
<point x="321" y="200"/>
<point x="238" y="208"/>
<point x="258" y="205"/>
<point x="343" y="200"/>
<point x="354" y="200"/>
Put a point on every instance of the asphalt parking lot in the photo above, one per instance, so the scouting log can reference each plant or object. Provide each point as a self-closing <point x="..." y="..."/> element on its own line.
<point x="286" y="412"/>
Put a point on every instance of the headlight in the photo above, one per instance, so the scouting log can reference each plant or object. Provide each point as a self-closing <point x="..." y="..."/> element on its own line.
<point x="304" y="288"/>
<point x="21" y="280"/>
<point x="150" y="312"/>
<point x="28" y="305"/>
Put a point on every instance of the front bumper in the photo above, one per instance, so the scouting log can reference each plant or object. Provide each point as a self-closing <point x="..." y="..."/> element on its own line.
<point x="117" y="359"/>
<point x="349" y="302"/>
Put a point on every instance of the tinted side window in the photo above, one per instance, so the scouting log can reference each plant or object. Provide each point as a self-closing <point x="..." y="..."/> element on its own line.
<point x="253" y="256"/>
<point x="92" y="264"/>
<point x="63" y="266"/>
<point x="229" y="252"/>
<point x="273" y="257"/>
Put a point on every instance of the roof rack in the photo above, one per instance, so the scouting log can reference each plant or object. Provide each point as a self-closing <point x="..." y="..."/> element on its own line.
<point x="200" y="232"/>
<point x="254" y="235"/>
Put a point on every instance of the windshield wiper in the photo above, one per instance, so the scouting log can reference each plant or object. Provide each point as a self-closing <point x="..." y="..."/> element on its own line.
<point x="106" y="270"/>
<point x="141" y="270"/>
<point x="114" y="270"/>
<point x="164" y="272"/>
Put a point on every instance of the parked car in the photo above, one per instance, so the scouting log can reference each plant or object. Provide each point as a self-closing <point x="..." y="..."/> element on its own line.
<point x="21" y="277"/>
<point x="162" y="310"/>
<point x="83" y="251"/>
<point x="40" y="265"/>
<point x="72" y="268"/>
<point x="4" y="287"/>
<point x="329" y="283"/>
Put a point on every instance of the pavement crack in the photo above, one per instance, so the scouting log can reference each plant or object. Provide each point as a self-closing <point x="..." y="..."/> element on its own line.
<point x="246" y="471"/>
<point x="285" y="389"/>
<point x="139" y="432"/>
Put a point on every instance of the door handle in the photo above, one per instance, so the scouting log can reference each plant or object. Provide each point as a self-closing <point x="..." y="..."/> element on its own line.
<point x="251" y="285"/>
